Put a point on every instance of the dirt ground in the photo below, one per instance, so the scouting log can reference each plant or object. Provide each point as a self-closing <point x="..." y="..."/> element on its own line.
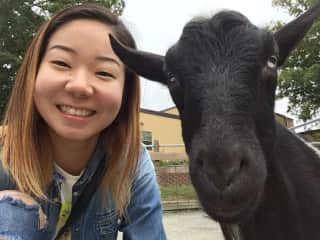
<point x="189" y="225"/>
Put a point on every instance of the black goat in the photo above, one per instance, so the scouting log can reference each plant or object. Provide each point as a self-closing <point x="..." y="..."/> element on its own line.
<point x="255" y="177"/>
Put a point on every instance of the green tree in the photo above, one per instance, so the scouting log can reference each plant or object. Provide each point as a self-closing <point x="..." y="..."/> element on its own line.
<point x="299" y="79"/>
<point x="19" y="20"/>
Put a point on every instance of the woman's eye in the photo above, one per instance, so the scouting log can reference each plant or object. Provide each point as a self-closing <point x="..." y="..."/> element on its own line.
<point x="105" y="74"/>
<point x="60" y="63"/>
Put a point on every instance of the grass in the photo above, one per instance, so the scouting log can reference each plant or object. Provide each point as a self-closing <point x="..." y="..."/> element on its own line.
<point x="162" y="163"/>
<point x="178" y="192"/>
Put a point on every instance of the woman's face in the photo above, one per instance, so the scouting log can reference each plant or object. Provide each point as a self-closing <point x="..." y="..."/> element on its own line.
<point x="80" y="82"/>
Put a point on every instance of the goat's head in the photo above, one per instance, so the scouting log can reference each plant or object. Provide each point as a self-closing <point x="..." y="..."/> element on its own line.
<point x="222" y="77"/>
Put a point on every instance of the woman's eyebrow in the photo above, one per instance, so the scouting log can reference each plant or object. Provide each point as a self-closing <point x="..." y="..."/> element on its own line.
<point x="107" y="59"/>
<point x="64" y="48"/>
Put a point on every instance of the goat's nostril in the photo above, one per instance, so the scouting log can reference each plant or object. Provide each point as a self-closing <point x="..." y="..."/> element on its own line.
<point x="242" y="164"/>
<point x="224" y="166"/>
<point x="200" y="163"/>
<point x="231" y="174"/>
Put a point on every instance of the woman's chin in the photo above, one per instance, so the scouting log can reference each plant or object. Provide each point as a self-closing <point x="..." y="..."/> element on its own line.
<point x="73" y="135"/>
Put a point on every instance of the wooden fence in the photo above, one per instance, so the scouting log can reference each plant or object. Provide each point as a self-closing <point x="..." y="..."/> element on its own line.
<point x="177" y="193"/>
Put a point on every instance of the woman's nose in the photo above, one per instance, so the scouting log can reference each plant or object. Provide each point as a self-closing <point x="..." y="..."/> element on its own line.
<point x="79" y="85"/>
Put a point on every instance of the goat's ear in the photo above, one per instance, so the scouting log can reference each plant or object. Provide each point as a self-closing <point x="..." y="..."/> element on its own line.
<point x="290" y="35"/>
<point x="145" y="64"/>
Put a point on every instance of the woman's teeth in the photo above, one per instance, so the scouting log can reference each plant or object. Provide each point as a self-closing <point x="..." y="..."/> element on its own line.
<point x="75" y="111"/>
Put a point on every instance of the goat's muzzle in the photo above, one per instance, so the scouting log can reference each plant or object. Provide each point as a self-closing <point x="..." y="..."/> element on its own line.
<point x="229" y="179"/>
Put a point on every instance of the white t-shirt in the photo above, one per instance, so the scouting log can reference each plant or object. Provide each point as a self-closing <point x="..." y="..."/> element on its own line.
<point x="67" y="183"/>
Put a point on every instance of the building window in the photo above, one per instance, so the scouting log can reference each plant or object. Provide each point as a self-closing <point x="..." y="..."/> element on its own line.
<point x="147" y="138"/>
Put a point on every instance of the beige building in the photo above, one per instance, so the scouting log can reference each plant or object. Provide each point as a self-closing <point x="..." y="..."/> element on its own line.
<point x="311" y="135"/>
<point x="163" y="128"/>
<point x="285" y="121"/>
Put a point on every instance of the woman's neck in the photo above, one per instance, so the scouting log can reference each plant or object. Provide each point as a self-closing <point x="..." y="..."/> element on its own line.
<point x="72" y="156"/>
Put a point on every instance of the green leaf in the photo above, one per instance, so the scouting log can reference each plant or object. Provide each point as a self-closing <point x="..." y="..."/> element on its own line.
<point x="299" y="79"/>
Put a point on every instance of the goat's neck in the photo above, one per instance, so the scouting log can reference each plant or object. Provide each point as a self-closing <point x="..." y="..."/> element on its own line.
<point x="290" y="206"/>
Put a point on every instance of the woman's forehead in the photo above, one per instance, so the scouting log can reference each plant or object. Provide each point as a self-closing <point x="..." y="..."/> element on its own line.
<point x="82" y="29"/>
<point x="84" y="35"/>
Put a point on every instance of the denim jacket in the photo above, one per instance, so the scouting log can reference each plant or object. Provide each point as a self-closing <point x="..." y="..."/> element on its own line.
<point x="144" y="211"/>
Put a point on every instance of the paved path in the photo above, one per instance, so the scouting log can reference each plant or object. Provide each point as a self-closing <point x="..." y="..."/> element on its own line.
<point x="189" y="225"/>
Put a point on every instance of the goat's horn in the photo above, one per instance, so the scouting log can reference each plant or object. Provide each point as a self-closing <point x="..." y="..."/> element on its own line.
<point x="146" y="64"/>
<point x="289" y="35"/>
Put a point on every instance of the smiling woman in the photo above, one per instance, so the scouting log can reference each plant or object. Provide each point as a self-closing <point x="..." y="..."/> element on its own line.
<point x="71" y="159"/>
<point x="78" y="91"/>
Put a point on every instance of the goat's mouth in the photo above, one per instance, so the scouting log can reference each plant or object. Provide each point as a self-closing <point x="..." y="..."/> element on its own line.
<point x="233" y="213"/>
<point x="229" y="181"/>
<point x="233" y="204"/>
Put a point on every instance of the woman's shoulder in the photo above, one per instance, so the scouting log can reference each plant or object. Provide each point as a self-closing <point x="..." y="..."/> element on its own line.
<point x="145" y="170"/>
<point x="145" y="163"/>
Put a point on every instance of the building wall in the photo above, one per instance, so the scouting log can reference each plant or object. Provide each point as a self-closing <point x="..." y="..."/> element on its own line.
<point x="164" y="129"/>
<point x="311" y="135"/>
<point x="285" y="121"/>
<point x="172" y="110"/>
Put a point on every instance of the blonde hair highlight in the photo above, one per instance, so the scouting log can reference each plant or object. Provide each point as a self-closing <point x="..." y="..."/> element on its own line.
<point x="19" y="149"/>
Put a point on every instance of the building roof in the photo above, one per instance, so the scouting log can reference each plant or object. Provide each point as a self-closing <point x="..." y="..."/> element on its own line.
<point x="167" y="109"/>
<point x="284" y="116"/>
<point x="159" y="113"/>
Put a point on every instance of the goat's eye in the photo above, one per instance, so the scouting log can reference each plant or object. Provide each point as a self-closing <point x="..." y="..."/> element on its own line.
<point x="272" y="61"/>
<point x="171" y="79"/>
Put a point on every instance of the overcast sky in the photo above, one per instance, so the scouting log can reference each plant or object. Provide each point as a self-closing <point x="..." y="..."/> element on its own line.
<point x="157" y="24"/>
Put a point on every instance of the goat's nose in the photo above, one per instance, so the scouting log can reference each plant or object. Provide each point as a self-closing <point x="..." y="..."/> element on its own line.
<point x="224" y="164"/>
